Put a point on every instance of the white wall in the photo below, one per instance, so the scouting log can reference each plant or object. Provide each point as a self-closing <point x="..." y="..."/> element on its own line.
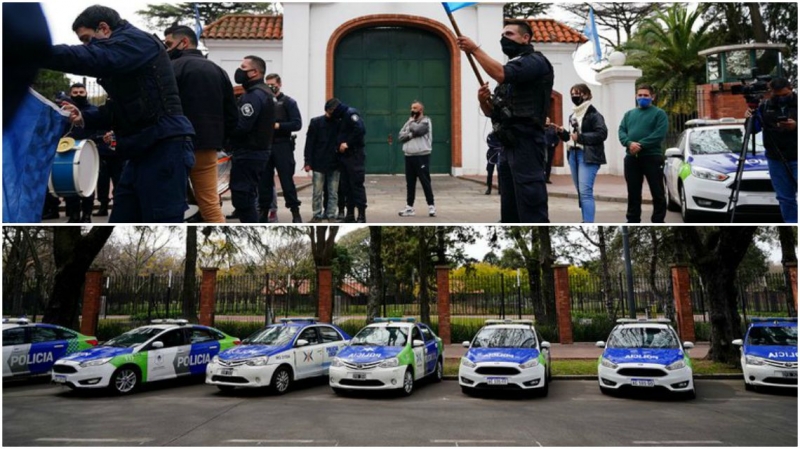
<point x="228" y="53"/>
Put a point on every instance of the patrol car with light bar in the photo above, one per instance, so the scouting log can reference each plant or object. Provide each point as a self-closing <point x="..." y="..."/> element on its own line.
<point x="506" y="354"/>
<point x="645" y="355"/>
<point x="769" y="353"/>
<point x="31" y="349"/>
<point x="391" y="353"/>
<point x="278" y="355"/>
<point x="700" y="172"/>
<point x="166" y="349"/>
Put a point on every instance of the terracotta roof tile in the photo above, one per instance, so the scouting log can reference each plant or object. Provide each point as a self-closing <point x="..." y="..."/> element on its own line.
<point x="550" y="30"/>
<point x="246" y="26"/>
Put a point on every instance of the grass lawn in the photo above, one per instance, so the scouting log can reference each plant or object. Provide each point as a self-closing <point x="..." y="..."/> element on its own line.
<point x="573" y="367"/>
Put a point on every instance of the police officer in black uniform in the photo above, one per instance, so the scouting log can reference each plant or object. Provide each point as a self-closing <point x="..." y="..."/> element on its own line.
<point x="143" y="109"/>
<point x="352" y="157"/>
<point x="252" y="139"/>
<point x="518" y="109"/>
<point x="287" y="121"/>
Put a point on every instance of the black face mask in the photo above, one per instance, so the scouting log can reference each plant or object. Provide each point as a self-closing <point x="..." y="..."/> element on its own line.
<point x="80" y="100"/>
<point x="240" y="77"/>
<point x="274" y="88"/>
<point x="415" y="114"/>
<point x="577" y="100"/>
<point x="512" y="49"/>
<point x="175" y="53"/>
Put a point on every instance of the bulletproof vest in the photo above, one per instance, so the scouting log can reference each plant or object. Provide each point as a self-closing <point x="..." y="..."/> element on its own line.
<point x="261" y="136"/>
<point x="137" y="100"/>
<point x="530" y="100"/>
<point x="281" y="115"/>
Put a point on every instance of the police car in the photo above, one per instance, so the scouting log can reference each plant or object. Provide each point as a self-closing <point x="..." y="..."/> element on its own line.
<point x="700" y="172"/>
<point x="31" y="349"/>
<point x="277" y="355"/>
<point x="166" y="349"/>
<point x="769" y="353"/>
<point x="506" y="354"/>
<point x="645" y="354"/>
<point x="391" y="353"/>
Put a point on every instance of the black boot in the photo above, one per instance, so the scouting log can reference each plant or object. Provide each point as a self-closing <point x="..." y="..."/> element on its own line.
<point x="296" y="218"/>
<point x="488" y="186"/>
<point x="86" y="218"/>
<point x="340" y="216"/>
<point x="74" y="217"/>
<point x="102" y="211"/>
<point x="351" y="216"/>
<point x="362" y="216"/>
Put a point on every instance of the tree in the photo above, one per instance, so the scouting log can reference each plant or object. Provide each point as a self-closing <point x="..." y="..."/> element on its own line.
<point x="525" y="10"/>
<point x="376" y="287"/>
<point x="716" y="252"/>
<point x="50" y="83"/>
<point x="788" y="239"/>
<point x="162" y="15"/>
<point x="189" y="291"/>
<point x="511" y="258"/>
<point x="73" y="254"/>
<point x="491" y="258"/>
<point x="620" y="17"/>
<point x="322" y="242"/>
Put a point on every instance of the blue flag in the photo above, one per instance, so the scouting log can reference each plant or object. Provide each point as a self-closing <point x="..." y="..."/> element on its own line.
<point x="29" y="147"/>
<point x="590" y="31"/>
<point x="455" y="6"/>
<point x="198" y="28"/>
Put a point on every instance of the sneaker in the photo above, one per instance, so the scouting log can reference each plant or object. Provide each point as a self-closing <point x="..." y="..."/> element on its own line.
<point x="316" y="220"/>
<point x="407" y="212"/>
<point x="273" y="216"/>
<point x="431" y="210"/>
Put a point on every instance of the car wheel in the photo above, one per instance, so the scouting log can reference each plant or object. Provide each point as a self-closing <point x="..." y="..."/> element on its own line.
<point x="281" y="380"/>
<point x="339" y="391"/>
<point x="691" y="394"/>
<point x="466" y="390"/>
<point x="408" y="383"/>
<point x="439" y="371"/>
<point x="125" y="380"/>
<point x="225" y="388"/>
<point x="687" y="215"/>
<point x="672" y="205"/>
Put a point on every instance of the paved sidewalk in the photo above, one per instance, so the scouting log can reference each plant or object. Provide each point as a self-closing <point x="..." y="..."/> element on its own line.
<point x="582" y="350"/>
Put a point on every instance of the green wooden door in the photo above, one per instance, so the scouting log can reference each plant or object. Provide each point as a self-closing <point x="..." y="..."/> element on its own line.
<point x="380" y="71"/>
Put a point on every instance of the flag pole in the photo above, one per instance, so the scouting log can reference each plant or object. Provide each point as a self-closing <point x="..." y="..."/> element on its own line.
<point x="469" y="55"/>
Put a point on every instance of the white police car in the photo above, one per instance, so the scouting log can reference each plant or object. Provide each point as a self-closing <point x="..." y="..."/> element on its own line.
<point x="391" y="353"/>
<point x="277" y="355"/>
<point x="506" y="354"/>
<point x="30" y="349"/>
<point x="163" y="350"/>
<point x="700" y="172"/>
<point x="769" y="353"/>
<point x="645" y="354"/>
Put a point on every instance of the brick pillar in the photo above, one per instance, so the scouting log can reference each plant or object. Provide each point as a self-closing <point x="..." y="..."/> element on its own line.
<point x="792" y="268"/>
<point x="325" y="294"/>
<point x="92" y="291"/>
<point x="563" y="309"/>
<point x="443" y="304"/>
<point x="208" y="287"/>
<point x="681" y="288"/>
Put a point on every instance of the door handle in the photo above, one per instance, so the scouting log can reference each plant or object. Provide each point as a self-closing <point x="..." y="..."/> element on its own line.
<point x="389" y="139"/>
<point x="181" y="351"/>
<point x="59" y="346"/>
<point x="214" y="347"/>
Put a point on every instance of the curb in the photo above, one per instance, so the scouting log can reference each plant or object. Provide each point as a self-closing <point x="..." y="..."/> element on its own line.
<point x="594" y="377"/>
<point x="574" y="196"/>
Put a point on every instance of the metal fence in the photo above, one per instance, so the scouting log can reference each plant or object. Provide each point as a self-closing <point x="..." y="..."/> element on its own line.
<point x="681" y="106"/>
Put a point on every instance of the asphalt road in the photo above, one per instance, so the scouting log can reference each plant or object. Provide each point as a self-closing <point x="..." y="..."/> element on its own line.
<point x="575" y="414"/>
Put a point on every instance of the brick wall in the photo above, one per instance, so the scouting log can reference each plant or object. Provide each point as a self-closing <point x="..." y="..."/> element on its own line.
<point x="92" y="291"/>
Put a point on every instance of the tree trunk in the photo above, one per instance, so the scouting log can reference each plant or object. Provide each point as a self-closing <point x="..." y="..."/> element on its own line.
<point x="73" y="255"/>
<point x="376" y="290"/>
<point x="189" y="293"/>
<point x="322" y="245"/>
<point x="546" y="261"/>
<point x="757" y="21"/>
<point x="424" y="271"/>
<point x="607" y="291"/>
<point x="13" y="272"/>
<point x="788" y="255"/>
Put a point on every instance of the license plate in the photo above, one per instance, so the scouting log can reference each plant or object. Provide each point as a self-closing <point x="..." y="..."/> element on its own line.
<point x="788" y="373"/>
<point x="60" y="379"/>
<point x="497" y="380"/>
<point x="360" y="376"/>
<point x="226" y="372"/>
<point x="643" y="383"/>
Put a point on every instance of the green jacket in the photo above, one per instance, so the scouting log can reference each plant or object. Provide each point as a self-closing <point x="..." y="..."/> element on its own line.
<point x="647" y="126"/>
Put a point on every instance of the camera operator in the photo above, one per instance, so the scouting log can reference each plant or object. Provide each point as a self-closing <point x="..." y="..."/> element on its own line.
<point x="518" y="110"/>
<point x="777" y="118"/>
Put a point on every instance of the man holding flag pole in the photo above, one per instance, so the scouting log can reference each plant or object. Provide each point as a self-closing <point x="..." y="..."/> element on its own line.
<point x="518" y="108"/>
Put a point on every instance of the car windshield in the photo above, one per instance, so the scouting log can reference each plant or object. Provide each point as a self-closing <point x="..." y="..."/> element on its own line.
<point x="134" y="338"/>
<point x="772" y="336"/>
<point x="496" y="337"/>
<point x="381" y="336"/>
<point x="720" y="141"/>
<point x="643" y="337"/>
<point x="272" y="336"/>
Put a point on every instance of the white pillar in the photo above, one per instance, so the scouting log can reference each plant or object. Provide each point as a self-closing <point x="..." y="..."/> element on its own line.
<point x="618" y="96"/>
<point x="296" y="55"/>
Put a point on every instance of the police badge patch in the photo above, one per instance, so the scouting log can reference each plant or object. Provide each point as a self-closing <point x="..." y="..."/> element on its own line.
<point x="354" y="117"/>
<point x="247" y="109"/>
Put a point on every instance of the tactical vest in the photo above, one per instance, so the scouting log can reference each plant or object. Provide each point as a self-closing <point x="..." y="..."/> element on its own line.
<point x="281" y="115"/>
<point x="530" y="100"/>
<point x="137" y="100"/>
<point x="260" y="138"/>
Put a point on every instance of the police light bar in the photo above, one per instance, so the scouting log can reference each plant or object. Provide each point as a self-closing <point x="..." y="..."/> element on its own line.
<point x="180" y="322"/>
<point x="395" y="320"/>
<point x="16" y="321"/>
<point x="773" y="319"/>
<point x="507" y="321"/>
<point x="643" y="320"/>
<point x="299" y="320"/>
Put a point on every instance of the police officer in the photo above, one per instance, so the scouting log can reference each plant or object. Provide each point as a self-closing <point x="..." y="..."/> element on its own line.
<point x="352" y="157"/>
<point x="518" y="109"/>
<point x="252" y="138"/>
<point x="143" y="109"/>
<point x="287" y="121"/>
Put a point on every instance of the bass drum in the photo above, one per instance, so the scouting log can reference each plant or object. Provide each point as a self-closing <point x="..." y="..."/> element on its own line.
<point x="192" y="215"/>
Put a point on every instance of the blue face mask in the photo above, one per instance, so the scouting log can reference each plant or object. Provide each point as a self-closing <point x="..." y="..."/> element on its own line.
<point x="644" y="102"/>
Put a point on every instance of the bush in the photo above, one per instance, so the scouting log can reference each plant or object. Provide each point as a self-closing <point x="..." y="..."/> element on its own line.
<point x="599" y="328"/>
<point x="239" y="329"/>
<point x="702" y="331"/>
<point x="108" y="329"/>
<point x="352" y="326"/>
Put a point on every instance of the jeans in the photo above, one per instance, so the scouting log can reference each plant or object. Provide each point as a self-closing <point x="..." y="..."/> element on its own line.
<point x="583" y="176"/>
<point x="322" y="182"/>
<point x="637" y="169"/>
<point x="785" y="189"/>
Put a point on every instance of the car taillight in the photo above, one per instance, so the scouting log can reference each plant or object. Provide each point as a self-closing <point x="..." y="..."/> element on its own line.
<point x="237" y="342"/>
<point x="92" y="342"/>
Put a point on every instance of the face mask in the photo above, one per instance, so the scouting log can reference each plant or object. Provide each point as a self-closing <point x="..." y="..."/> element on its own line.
<point x="510" y="48"/>
<point x="784" y="100"/>
<point x="577" y="100"/>
<point x="80" y="100"/>
<point x="240" y="76"/>
<point x="414" y="114"/>
<point x="644" y="102"/>
<point x="274" y="88"/>
<point x="175" y="53"/>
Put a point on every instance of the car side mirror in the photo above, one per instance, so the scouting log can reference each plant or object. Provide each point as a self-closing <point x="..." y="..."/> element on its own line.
<point x="674" y="152"/>
<point x="688" y="345"/>
<point x="545" y="345"/>
<point x="600" y="344"/>
<point x="738" y="342"/>
<point x="157" y="345"/>
<point x="418" y="343"/>
<point x="465" y="344"/>
<point x="300" y="343"/>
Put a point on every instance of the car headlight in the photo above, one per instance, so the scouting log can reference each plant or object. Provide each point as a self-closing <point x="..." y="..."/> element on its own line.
<point x="389" y="363"/>
<point x="257" y="361"/>
<point x="215" y="359"/>
<point x="753" y="360"/>
<point x="96" y="362"/>
<point x="608" y="363"/>
<point x="530" y="363"/>
<point x="677" y="365"/>
<point x="711" y="175"/>
<point x="336" y="362"/>
<point x="467" y="362"/>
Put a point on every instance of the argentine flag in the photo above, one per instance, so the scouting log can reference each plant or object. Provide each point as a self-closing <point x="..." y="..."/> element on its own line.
<point x="451" y="7"/>
<point x="590" y="31"/>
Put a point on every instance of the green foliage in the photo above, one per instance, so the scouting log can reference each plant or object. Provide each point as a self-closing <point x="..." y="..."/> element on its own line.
<point x="240" y="329"/>
<point x="598" y="329"/>
<point x="49" y="83"/>
<point x="108" y="329"/>
<point x="525" y="10"/>
<point x="162" y="15"/>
